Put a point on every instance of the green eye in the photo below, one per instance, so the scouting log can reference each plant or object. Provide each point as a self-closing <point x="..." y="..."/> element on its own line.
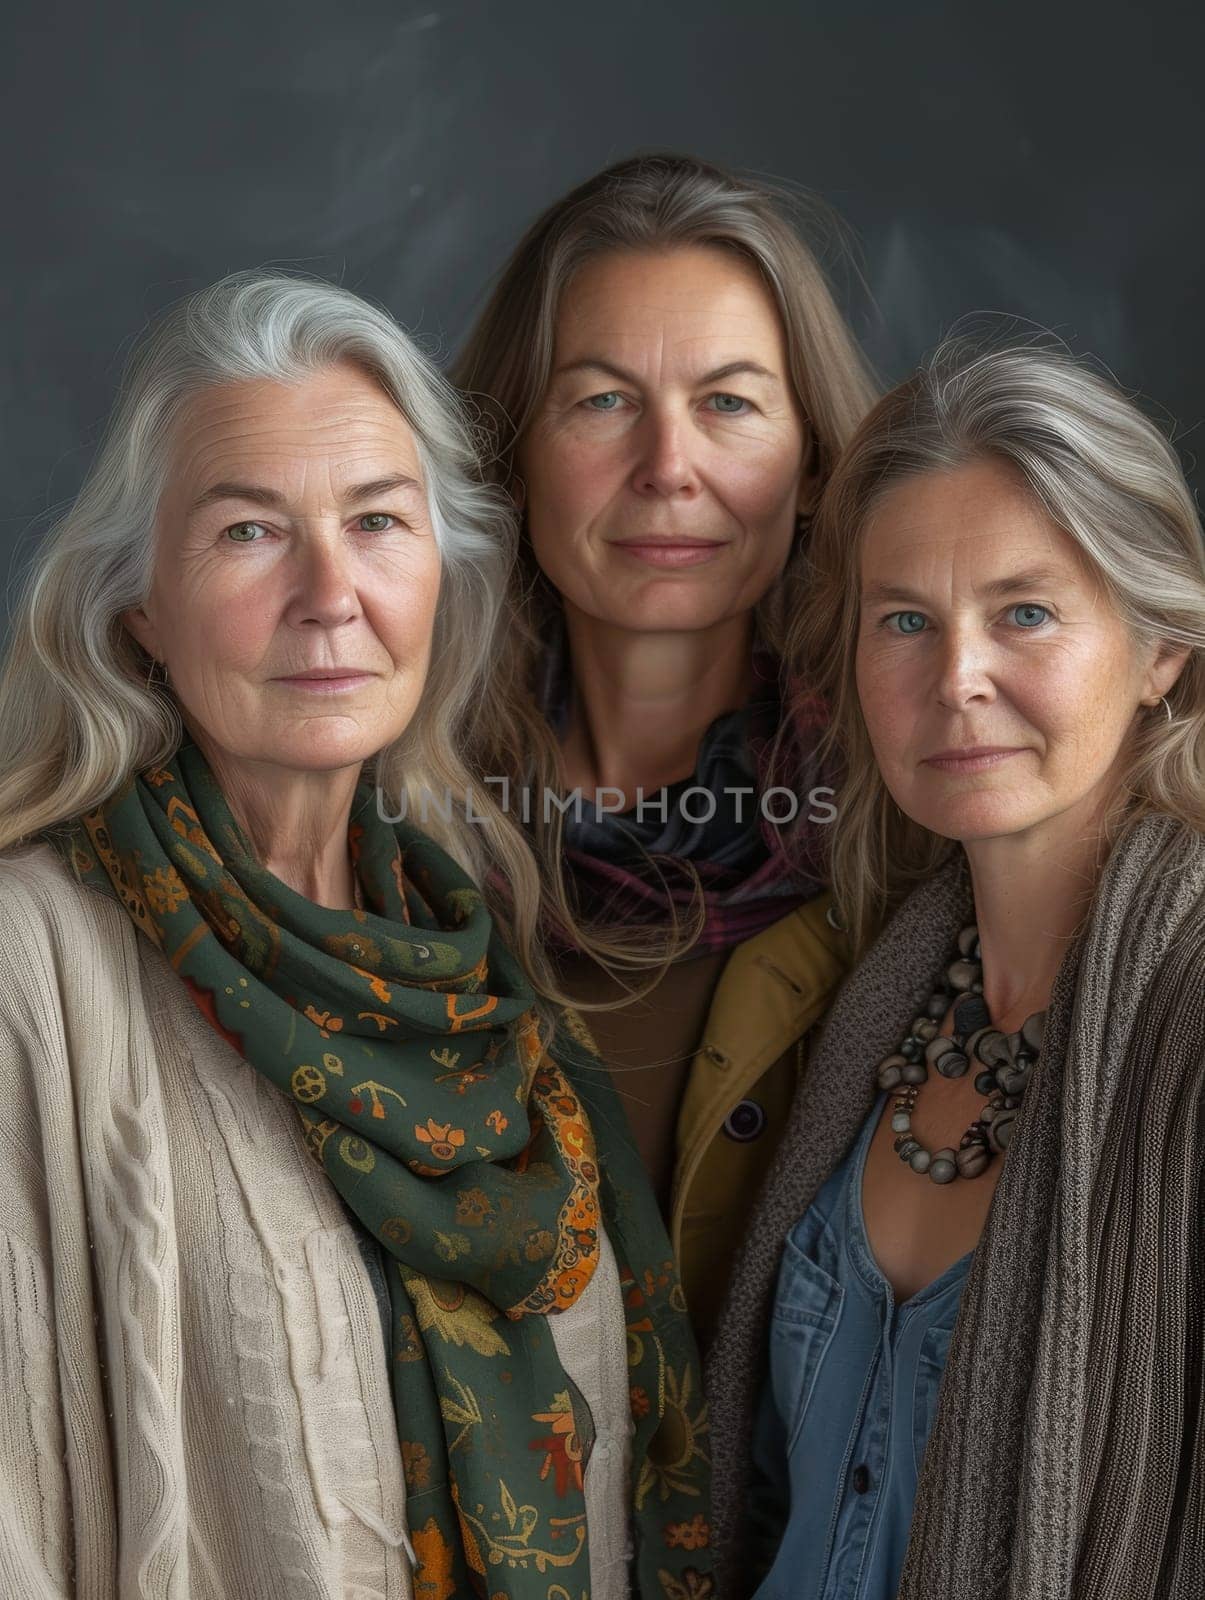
<point x="907" y="621"/>
<point x="244" y="532"/>
<point x="1029" y="616"/>
<point x="375" y="522"/>
<point x="603" y="402"/>
<point x="730" y="404"/>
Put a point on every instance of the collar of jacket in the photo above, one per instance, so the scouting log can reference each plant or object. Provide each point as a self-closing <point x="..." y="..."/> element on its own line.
<point x="774" y="987"/>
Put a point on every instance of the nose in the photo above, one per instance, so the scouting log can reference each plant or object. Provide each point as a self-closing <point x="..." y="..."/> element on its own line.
<point x="324" y="592"/>
<point x="665" y="464"/>
<point x="963" y="665"/>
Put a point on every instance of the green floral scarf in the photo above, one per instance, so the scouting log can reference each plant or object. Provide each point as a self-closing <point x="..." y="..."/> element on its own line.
<point x="408" y="1038"/>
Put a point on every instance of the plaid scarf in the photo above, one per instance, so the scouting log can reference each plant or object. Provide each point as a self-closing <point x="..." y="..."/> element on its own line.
<point x="633" y="867"/>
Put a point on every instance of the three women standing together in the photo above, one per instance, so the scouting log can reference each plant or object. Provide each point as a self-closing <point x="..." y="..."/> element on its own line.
<point x="372" y="1184"/>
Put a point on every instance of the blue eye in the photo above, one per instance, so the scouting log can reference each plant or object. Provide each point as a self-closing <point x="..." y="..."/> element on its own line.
<point x="907" y="621"/>
<point x="379" y="521"/>
<point x="603" y="402"/>
<point x="731" y="405"/>
<point x="244" y="532"/>
<point x="1029" y="616"/>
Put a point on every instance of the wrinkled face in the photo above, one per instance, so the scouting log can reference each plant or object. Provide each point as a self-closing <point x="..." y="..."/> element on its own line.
<point x="997" y="680"/>
<point x="296" y="572"/>
<point x="665" y="468"/>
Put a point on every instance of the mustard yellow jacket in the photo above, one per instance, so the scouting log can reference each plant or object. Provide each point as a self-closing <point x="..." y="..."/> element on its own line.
<point x="772" y="992"/>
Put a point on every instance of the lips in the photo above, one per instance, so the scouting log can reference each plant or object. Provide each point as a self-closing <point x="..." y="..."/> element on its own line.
<point x="671" y="552"/>
<point x="323" y="674"/>
<point x="669" y="544"/>
<point x="967" y="752"/>
<point x="972" y="757"/>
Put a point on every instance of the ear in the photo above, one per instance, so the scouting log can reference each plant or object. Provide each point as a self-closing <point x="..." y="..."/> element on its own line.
<point x="142" y="630"/>
<point x="518" y="493"/>
<point x="1161" y="675"/>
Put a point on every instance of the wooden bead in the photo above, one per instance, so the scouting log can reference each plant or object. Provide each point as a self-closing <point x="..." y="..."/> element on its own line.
<point x="890" y="1069"/>
<point x="1013" y="1079"/>
<point x="962" y="975"/>
<point x="991" y="1047"/>
<point x="972" y="1160"/>
<point x="944" y="1166"/>
<point x="1001" y="1131"/>
<point x="953" y="1064"/>
<point x="970" y="1015"/>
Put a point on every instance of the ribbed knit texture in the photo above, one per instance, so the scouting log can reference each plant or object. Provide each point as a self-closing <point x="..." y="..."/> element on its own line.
<point x="1066" y="1460"/>
<point x="159" y="1213"/>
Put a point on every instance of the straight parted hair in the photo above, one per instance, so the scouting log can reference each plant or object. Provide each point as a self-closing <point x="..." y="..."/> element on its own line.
<point x="1107" y="477"/>
<point x="78" y="717"/>
<point x="651" y="204"/>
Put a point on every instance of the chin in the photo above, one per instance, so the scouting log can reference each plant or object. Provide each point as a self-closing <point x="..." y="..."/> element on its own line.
<point x="671" y="608"/>
<point x="319" y="749"/>
<point x="976" y="816"/>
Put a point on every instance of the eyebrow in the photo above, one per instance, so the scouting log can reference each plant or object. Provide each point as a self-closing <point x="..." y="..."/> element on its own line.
<point x="260" y="495"/>
<point x="730" y="369"/>
<point x="1015" y="583"/>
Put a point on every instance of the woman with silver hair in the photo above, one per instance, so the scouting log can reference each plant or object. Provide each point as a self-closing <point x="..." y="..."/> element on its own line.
<point x="318" y="1242"/>
<point x="962" y="1353"/>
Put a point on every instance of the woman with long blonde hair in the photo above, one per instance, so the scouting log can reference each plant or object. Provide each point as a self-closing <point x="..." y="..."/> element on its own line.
<point x="670" y="381"/>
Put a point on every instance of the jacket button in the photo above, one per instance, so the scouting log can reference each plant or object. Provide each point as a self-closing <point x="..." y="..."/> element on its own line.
<point x="861" y="1480"/>
<point x="745" y="1122"/>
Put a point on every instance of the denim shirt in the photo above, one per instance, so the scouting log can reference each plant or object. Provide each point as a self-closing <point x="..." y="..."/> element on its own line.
<point x="846" y="1413"/>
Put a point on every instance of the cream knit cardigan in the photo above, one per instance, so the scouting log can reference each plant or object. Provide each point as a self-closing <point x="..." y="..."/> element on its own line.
<point x="194" y="1390"/>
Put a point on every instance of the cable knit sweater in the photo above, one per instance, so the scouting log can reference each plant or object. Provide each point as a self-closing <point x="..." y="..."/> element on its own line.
<point x="191" y="1345"/>
<point x="1067" y="1459"/>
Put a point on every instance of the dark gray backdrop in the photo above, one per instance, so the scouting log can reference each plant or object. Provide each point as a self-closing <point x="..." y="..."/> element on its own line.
<point x="1038" y="160"/>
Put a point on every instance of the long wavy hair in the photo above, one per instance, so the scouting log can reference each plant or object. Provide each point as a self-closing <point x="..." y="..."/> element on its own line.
<point x="648" y="203"/>
<point x="1107" y="477"/>
<point x="78" y="716"/>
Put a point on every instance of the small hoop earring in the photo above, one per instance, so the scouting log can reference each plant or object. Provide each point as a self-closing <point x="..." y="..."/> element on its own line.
<point x="1166" y="706"/>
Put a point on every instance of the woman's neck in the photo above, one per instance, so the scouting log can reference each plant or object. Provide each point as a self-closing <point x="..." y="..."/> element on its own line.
<point x="643" y="701"/>
<point x="1032" y="893"/>
<point x="296" y="822"/>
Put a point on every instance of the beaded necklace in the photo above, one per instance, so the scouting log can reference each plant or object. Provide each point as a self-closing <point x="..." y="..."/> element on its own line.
<point x="1006" y="1062"/>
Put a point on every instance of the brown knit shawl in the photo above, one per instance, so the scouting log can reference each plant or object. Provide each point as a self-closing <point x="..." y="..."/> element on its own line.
<point x="1067" y="1459"/>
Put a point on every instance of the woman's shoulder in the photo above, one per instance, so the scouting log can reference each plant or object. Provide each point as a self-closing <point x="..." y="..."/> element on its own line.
<point x="776" y="984"/>
<point x="44" y="909"/>
<point x="35" y="869"/>
<point x="1146" y="932"/>
<point x="1159" y="864"/>
<point x="807" y="949"/>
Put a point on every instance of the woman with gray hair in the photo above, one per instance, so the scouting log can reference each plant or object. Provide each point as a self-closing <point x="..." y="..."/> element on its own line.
<point x="962" y="1354"/>
<point x="317" y="1239"/>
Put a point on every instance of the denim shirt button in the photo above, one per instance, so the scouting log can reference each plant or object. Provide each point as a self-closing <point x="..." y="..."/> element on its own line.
<point x="861" y="1480"/>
